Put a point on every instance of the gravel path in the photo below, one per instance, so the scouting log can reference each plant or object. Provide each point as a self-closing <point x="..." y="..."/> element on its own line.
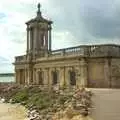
<point x="12" y="112"/>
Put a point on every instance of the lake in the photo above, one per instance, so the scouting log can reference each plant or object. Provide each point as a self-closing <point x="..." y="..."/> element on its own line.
<point x="7" y="79"/>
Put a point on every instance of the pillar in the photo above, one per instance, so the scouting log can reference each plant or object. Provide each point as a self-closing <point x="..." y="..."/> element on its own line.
<point x="35" y="39"/>
<point x="34" y="76"/>
<point x="107" y="73"/>
<point x="67" y="77"/>
<point x="37" y="76"/>
<point x="50" y="76"/>
<point x="77" y="71"/>
<point x="62" y="76"/>
<point x="27" y="39"/>
<point x="50" y="38"/>
<point x="46" y="77"/>
<point x="31" y="41"/>
<point x="29" y="76"/>
<point x="16" y="76"/>
<point x="83" y="72"/>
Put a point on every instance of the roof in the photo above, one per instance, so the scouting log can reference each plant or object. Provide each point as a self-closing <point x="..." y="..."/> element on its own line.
<point x="39" y="18"/>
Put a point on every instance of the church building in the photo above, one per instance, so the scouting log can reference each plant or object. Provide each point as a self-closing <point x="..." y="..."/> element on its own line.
<point x="84" y="65"/>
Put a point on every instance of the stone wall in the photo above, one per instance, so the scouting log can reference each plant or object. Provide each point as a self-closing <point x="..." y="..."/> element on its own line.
<point x="115" y="73"/>
<point x="89" y="72"/>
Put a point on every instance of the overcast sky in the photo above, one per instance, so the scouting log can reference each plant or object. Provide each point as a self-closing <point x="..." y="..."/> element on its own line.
<point x="75" y="22"/>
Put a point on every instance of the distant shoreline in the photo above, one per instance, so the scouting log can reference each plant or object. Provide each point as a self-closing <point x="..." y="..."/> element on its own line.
<point x="6" y="74"/>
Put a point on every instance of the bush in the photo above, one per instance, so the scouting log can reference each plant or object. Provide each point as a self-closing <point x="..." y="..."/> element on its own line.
<point x="20" y="96"/>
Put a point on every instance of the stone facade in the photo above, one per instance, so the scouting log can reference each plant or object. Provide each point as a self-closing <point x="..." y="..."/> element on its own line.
<point x="86" y="65"/>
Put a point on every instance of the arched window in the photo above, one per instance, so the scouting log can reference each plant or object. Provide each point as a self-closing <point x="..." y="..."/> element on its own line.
<point x="72" y="76"/>
<point x="40" y="77"/>
<point x="55" y="77"/>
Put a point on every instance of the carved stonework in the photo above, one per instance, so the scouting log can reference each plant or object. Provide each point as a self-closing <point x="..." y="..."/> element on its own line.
<point x="85" y="65"/>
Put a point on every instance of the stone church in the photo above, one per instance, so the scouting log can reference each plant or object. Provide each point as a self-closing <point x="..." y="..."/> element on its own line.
<point x="84" y="65"/>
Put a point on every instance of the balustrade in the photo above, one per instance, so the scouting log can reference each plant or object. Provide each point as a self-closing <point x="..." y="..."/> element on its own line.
<point x="83" y="50"/>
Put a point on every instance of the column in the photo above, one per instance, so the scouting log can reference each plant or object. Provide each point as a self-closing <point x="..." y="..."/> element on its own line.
<point x="46" y="77"/>
<point x="35" y="41"/>
<point x="31" y="45"/>
<point x="27" y="39"/>
<point x="62" y="77"/>
<point x="78" y="79"/>
<point x="16" y="76"/>
<point x="29" y="76"/>
<point x="34" y="76"/>
<point x="107" y="73"/>
<point x="46" y="40"/>
<point x="26" y="76"/>
<point x="37" y="76"/>
<point x="50" y="76"/>
<point x="67" y="77"/>
<point x="50" y="38"/>
<point x="84" y="72"/>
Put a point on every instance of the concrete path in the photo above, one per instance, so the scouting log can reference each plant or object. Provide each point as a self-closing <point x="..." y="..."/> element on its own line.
<point x="107" y="104"/>
<point x="12" y="112"/>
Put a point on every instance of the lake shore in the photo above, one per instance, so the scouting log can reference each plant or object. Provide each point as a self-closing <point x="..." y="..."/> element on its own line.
<point x="12" y="112"/>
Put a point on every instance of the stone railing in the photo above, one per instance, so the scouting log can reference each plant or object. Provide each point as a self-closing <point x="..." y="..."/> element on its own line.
<point x="22" y="58"/>
<point x="89" y="51"/>
<point x="80" y="50"/>
<point x="107" y="50"/>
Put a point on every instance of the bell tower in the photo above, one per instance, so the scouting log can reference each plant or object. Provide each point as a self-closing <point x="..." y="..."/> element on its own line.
<point x="38" y="35"/>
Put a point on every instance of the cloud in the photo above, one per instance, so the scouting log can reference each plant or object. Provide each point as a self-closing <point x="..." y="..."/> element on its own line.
<point x="74" y="23"/>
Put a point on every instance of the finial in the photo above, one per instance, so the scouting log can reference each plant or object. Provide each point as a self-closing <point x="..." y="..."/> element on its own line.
<point x="39" y="12"/>
<point x="39" y="6"/>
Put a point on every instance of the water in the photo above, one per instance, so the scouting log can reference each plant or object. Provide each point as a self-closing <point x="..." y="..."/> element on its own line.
<point x="7" y="79"/>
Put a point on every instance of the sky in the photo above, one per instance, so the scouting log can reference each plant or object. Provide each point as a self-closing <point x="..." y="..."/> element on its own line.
<point x="75" y="22"/>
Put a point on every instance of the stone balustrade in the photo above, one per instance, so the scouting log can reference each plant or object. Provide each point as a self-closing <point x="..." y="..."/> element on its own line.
<point x="90" y="51"/>
<point x="107" y="50"/>
<point x="21" y="58"/>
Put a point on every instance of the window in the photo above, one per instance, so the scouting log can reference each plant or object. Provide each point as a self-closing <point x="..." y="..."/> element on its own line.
<point x="72" y="77"/>
<point x="55" y="77"/>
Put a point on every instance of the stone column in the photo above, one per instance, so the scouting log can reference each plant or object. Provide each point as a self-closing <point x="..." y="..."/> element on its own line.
<point x="26" y="76"/>
<point x="84" y="72"/>
<point x="67" y="77"/>
<point x="16" y="76"/>
<point x="46" y="40"/>
<point x="50" y="76"/>
<point x="27" y="39"/>
<point x="35" y="39"/>
<point x="78" y="79"/>
<point x="107" y="72"/>
<point x="50" y="42"/>
<point x="46" y="77"/>
<point x="31" y="41"/>
<point x="62" y="76"/>
<point x="34" y="76"/>
<point x="37" y="76"/>
<point x="30" y="76"/>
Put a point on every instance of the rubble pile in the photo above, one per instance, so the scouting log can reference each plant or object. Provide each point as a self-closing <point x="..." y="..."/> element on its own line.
<point x="76" y="108"/>
<point x="57" y="104"/>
